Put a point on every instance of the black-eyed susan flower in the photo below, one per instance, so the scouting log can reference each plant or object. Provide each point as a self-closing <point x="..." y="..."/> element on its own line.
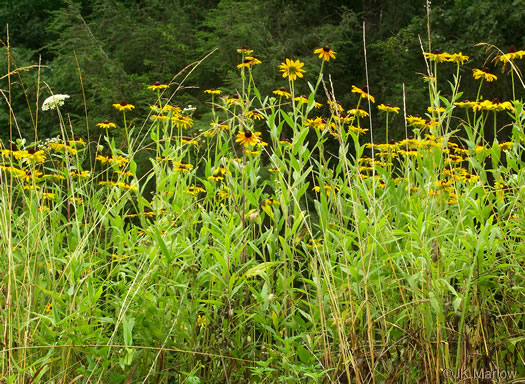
<point x="256" y="115"/>
<point x="248" y="62"/>
<point x="244" y="50"/>
<point x="363" y="92"/>
<point x="335" y="106"/>
<point x="388" y="108"/>
<point x="511" y="55"/>
<point x="484" y="74"/>
<point x="234" y="100"/>
<point x="292" y="69"/>
<point x="181" y="166"/>
<point x="273" y="170"/>
<point x="123" y="106"/>
<point x="201" y="321"/>
<point x="106" y="125"/>
<point x="286" y="143"/>
<point x="458" y="58"/>
<point x="437" y="56"/>
<point x="505" y="146"/>
<point x="189" y="141"/>
<point x="213" y="91"/>
<point x="49" y="308"/>
<point x="158" y="86"/>
<point x="63" y="147"/>
<point x="216" y="177"/>
<point x="249" y="138"/>
<point x="465" y="104"/>
<point x="182" y="121"/>
<point x="117" y="160"/>
<point x="436" y="109"/>
<point x="48" y="196"/>
<point x="80" y="175"/>
<point x="223" y="193"/>
<point x="358" y="130"/>
<point x="415" y="120"/>
<point x="327" y="189"/>
<point x="194" y="190"/>
<point x="325" y="53"/>
<point x="282" y="92"/>
<point x="314" y="243"/>
<point x="358" y="112"/>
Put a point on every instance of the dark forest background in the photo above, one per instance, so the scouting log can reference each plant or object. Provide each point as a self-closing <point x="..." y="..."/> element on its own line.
<point x="121" y="47"/>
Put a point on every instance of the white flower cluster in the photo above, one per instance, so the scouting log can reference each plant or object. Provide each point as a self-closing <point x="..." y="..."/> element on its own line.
<point x="54" y="101"/>
<point x="53" y="140"/>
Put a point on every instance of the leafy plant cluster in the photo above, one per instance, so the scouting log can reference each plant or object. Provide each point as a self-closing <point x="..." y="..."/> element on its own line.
<point x="273" y="241"/>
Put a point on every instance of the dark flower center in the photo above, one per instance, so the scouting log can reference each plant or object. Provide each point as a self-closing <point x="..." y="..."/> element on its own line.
<point x="486" y="70"/>
<point x="235" y="96"/>
<point x="512" y="49"/>
<point x="157" y="83"/>
<point x="436" y="52"/>
<point x="365" y="89"/>
<point x="123" y="103"/>
<point x="326" y="48"/>
<point x="248" y="134"/>
<point x="391" y="141"/>
<point x="495" y="101"/>
<point x="105" y="122"/>
<point x="31" y="151"/>
<point x="282" y="89"/>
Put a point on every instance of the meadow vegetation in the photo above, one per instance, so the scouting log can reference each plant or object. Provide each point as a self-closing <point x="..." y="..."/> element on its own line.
<point x="279" y="241"/>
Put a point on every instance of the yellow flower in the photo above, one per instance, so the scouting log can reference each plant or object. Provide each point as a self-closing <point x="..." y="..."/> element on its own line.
<point x="437" y="56"/>
<point x="363" y="92"/>
<point x="157" y="86"/>
<point x="213" y="91"/>
<point x="292" y="69"/>
<point x="82" y="175"/>
<point x="106" y="125"/>
<point x="256" y="115"/>
<point x="244" y="50"/>
<point x="63" y="147"/>
<point x="465" y="104"/>
<point x="248" y="137"/>
<point x="123" y="106"/>
<point x="182" y="166"/>
<point x="189" y="141"/>
<point x="314" y="243"/>
<point x="49" y="308"/>
<point x="388" y="108"/>
<point x="249" y="61"/>
<point x="118" y="160"/>
<point x="194" y="190"/>
<point x="505" y="146"/>
<point x="223" y="193"/>
<point x="436" y="109"/>
<point x="182" y="121"/>
<point x="201" y="321"/>
<point x="282" y="92"/>
<point x="325" y="53"/>
<point x="359" y="112"/>
<point x="512" y="54"/>
<point x="483" y="74"/>
<point x="234" y="99"/>
<point x="415" y="120"/>
<point x="327" y="189"/>
<point x="459" y="58"/>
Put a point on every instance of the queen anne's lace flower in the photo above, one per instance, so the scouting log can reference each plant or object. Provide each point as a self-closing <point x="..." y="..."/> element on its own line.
<point x="54" y="101"/>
